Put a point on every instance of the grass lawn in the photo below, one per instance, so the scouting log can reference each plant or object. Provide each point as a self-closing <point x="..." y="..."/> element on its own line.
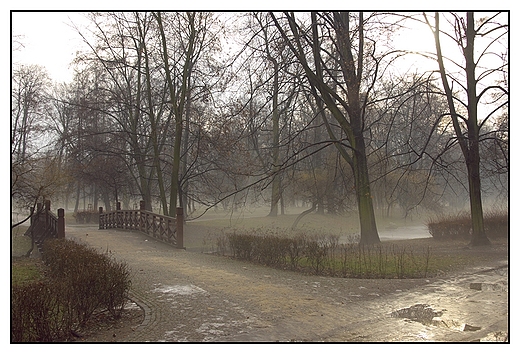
<point x="346" y="224"/>
<point x="23" y="269"/>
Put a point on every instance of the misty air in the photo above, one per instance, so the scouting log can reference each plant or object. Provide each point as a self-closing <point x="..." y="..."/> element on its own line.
<point x="259" y="177"/>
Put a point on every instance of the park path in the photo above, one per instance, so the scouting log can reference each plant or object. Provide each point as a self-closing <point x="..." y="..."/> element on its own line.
<point x="194" y="297"/>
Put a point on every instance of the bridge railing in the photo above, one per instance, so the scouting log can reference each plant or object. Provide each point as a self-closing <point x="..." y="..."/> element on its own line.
<point x="46" y="224"/>
<point x="160" y="227"/>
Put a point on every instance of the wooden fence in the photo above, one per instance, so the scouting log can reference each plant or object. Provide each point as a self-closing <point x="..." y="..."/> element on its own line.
<point x="161" y="227"/>
<point x="46" y="224"/>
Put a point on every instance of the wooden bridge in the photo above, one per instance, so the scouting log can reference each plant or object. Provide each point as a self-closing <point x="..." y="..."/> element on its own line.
<point x="161" y="227"/>
<point x="45" y="224"/>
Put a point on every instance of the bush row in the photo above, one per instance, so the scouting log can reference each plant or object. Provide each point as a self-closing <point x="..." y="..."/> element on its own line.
<point x="326" y="256"/>
<point x="496" y="225"/>
<point x="78" y="282"/>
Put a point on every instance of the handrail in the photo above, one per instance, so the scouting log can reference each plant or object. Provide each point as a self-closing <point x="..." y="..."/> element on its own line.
<point x="161" y="227"/>
<point x="46" y="224"/>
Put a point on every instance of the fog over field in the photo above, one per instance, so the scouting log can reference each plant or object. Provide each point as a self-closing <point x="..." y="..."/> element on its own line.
<point x="358" y="124"/>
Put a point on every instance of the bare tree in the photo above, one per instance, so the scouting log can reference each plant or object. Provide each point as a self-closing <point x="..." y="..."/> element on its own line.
<point x="28" y="101"/>
<point x="343" y="98"/>
<point x="464" y="103"/>
<point x="34" y="175"/>
<point x="190" y="33"/>
<point x="115" y="64"/>
<point x="406" y="144"/>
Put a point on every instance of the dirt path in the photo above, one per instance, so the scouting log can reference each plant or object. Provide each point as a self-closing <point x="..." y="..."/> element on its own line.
<point x="194" y="297"/>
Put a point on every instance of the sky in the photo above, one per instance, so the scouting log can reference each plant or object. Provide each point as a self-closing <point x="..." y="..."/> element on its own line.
<point x="47" y="39"/>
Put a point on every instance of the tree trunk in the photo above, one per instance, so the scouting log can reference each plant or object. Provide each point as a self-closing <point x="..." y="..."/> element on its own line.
<point x="106" y="199"/>
<point x="367" y="219"/>
<point x="184" y="195"/>
<point x="78" y="193"/>
<point x="479" y="237"/>
<point x="145" y="189"/>
<point x="275" y="187"/>
<point x="305" y="212"/>
<point x="96" y="197"/>
<point x="155" y="141"/>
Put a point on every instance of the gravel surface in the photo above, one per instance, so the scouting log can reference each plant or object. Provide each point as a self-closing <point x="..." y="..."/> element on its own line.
<point x="186" y="296"/>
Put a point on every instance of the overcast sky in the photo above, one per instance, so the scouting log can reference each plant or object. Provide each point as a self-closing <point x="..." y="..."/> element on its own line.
<point x="48" y="40"/>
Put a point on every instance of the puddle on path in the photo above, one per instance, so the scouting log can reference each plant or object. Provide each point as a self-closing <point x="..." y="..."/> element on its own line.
<point x="419" y="313"/>
<point x="428" y="316"/>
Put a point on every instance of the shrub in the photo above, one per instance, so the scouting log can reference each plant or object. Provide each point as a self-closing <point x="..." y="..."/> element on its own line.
<point x="270" y="250"/>
<point x="315" y="253"/>
<point x="38" y="312"/>
<point x="116" y="280"/>
<point x="296" y="250"/>
<point x="96" y="280"/>
<point x="79" y="281"/>
<point x="323" y="255"/>
<point x="241" y="245"/>
<point x="496" y="224"/>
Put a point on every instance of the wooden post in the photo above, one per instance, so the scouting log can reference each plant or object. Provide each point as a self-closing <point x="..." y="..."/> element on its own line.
<point x="101" y="219"/>
<point x="61" y="223"/>
<point x="179" y="223"/>
<point x="118" y="209"/>
<point x="142" y="217"/>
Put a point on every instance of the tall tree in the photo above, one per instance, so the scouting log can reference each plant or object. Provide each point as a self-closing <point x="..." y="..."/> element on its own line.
<point x="266" y="54"/>
<point x="28" y="104"/>
<point x="342" y="96"/>
<point x="191" y="34"/>
<point x="464" y="110"/>
<point x="117" y="65"/>
<point x="406" y="143"/>
<point x="35" y="171"/>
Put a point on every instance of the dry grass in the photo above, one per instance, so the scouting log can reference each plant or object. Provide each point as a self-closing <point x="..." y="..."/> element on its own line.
<point x="239" y="236"/>
<point x="20" y="244"/>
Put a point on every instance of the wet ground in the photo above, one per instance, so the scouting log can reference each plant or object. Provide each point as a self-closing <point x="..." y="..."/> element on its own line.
<point x="194" y="297"/>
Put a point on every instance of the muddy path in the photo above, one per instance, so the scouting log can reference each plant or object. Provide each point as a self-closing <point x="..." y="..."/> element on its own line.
<point x="195" y="297"/>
